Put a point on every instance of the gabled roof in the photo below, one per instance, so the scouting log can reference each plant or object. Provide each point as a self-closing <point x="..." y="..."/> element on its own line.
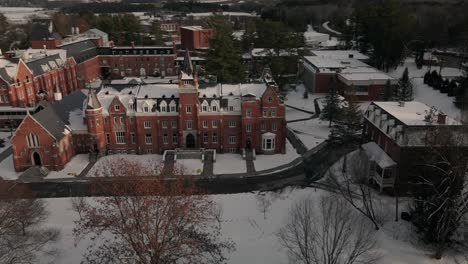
<point x="36" y="66"/>
<point x="80" y="50"/>
<point x="55" y="117"/>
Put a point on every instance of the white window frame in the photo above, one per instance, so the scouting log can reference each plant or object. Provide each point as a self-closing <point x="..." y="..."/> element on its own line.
<point x="214" y="138"/>
<point x="147" y="124"/>
<point x="120" y="137"/>
<point x="232" y="140"/>
<point x="232" y="123"/>
<point x="214" y="124"/>
<point x="189" y="124"/>
<point x="248" y="127"/>
<point x="188" y="109"/>
<point x="165" y="139"/>
<point x="205" y="124"/>
<point x="148" y="139"/>
<point x="164" y="124"/>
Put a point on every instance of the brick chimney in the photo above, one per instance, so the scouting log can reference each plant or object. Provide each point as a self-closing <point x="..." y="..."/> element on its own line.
<point x="441" y="118"/>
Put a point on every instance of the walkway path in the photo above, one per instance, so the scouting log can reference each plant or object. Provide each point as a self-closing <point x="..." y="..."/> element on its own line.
<point x="6" y="153"/>
<point x="85" y="171"/>
<point x="208" y="164"/>
<point x="168" y="167"/>
<point x="249" y="162"/>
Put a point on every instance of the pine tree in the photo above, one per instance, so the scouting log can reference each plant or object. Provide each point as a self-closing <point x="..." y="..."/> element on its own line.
<point x="461" y="93"/>
<point x="427" y="78"/>
<point x="348" y="129"/>
<point x="452" y="88"/>
<point x="404" y="92"/>
<point x="224" y="58"/>
<point x="331" y="110"/>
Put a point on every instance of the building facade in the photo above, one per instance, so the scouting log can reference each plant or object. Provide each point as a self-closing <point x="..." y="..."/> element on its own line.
<point x="152" y="118"/>
<point x="397" y="135"/>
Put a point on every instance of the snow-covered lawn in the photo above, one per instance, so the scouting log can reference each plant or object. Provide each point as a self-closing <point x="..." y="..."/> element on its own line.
<point x="296" y="99"/>
<point x="150" y="161"/>
<point x="190" y="166"/>
<point x="311" y="132"/>
<point x="229" y="163"/>
<point x="264" y="162"/>
<point x="7" y="170"/>
<point x="72" y="168"/>
<point x="293" y="114"/>
<point x="254" y="233"/>
<point x="426" y="94"/>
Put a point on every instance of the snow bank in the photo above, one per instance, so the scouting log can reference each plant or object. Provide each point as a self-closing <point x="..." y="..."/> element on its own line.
<point x="229" y="163"/>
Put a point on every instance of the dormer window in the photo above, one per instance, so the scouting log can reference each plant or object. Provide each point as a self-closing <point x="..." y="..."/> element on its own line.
<point x="146" y="109"/>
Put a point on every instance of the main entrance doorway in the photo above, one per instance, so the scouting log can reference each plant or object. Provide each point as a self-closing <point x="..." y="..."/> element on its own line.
<point x="190" y="141"/>
<point x="36" y="159"/>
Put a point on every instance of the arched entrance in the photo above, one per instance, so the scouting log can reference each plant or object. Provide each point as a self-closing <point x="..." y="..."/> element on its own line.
<point x="36" y="159"/>
<point x="190" y="141"/>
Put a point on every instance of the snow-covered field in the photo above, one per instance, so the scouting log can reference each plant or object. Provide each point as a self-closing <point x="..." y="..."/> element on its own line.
<point x="296" y="99"/>
<point x="229" y="163"/>
<point x="264" y="162"/>
<point x="426" y="94"/>
<point x="72" y="168"/>
<point x="311" y="132"/>
<point x="293" y="114"/>
<point x="254" y="233"/>
<point x="7" y="171"/>
<point x="190" y="166"/>
<point x="150" y="161"/>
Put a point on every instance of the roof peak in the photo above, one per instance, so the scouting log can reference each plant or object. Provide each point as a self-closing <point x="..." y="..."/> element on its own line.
<point x="93" y="101"/>
<point x="187" y="66"/>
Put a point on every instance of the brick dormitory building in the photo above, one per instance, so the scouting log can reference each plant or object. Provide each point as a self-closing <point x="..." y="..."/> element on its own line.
<point x="151" y="118"/>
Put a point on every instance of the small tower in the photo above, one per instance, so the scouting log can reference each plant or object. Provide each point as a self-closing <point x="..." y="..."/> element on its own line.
<point x="188" y="77"/>
<point x="95" y="124"/>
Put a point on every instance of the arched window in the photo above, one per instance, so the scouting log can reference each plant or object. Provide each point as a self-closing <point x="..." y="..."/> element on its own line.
<point x="33" y="140"/>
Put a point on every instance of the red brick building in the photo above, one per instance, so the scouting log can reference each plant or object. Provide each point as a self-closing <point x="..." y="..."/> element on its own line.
<point x="195" y="37"/>
<point x="152" y="118"/>
<point x="397" y="133"/>
<point x="347" y="71"/>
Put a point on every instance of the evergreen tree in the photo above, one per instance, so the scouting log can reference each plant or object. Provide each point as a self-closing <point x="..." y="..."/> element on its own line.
<point x="348" y="129"/>
<point x="331" y="110"/>
<point x="452" y="88"/>
<point x="404" y="92"/>
<point x="224" y="57"/>
<point x="427" y="78"/>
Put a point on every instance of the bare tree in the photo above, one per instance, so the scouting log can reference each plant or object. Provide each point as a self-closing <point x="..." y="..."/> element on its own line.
<point x="441" y="188"/>
<point x="351" y="184"/>
<point x="263" y="203"/>
<point x="333" y="234"/>
<point x="149" y="220"/>
<point x="23" y="239"/>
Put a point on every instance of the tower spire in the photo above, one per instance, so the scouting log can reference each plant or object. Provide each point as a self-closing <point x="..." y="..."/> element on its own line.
<point x="187" y="66"/>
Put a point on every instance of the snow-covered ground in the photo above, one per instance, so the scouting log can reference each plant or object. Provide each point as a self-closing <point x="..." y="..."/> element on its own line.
<point x="229" y="163"/>
<point x="254" y="233"/>
<point x="7" y="171"/>
<point x="190" y="166"/>
<point x="426" y="94"/>
<point x="264" y="162"/>
<point x="293" y="114"/>
<point x="5" y="136"/>
<point x="296" y="99"/>
<point x="311" y="132"/>
<point x="150" y="161"/>
<point x="72" y="168"/>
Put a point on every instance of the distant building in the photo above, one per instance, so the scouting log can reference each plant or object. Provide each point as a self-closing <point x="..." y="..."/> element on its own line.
<point x="397" y="133"/>
<point x="151" y="118"/>
<point x="347" y="71"/>
<point x="195" y="37"/>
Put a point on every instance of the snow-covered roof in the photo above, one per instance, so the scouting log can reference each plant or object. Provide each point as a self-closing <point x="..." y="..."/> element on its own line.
<point x="375" y="153"/>
<point x="340" y="54"/>
<point x="260" y="52"/>
<point x="320" y="62"/>
<point x="256" y="89"/>
<point x="366" y="78"/>
<point x="411" y="113"/>
<point x="75" y="118"/>
<point x="207" y="14"/>
<point x="312" y="36"/>
<point x="194" y="28"/>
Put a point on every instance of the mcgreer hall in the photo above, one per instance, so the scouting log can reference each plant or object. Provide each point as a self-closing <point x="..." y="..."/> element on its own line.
<point x="151" y="117"/>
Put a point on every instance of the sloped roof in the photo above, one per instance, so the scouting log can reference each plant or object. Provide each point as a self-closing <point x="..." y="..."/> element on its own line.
<point x="96" y="31"/>
<point x="80" y="50"/>
<point x="55" y="117"/>
<point x="375" y="153"/>
<point x="36" y="65"/>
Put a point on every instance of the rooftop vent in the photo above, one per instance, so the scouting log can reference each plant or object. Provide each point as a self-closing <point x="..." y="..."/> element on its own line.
<point x="146" y="96"/>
